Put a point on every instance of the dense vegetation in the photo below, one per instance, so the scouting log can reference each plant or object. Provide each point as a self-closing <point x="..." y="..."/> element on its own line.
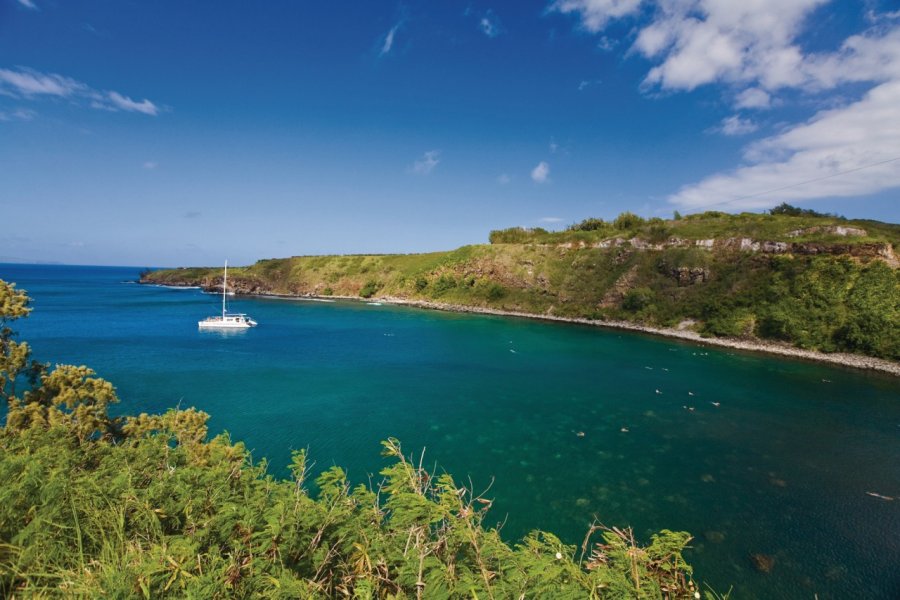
<point x="824" y="283"/>
<point x="784" y="223"/>
<point x="100" y="507"/>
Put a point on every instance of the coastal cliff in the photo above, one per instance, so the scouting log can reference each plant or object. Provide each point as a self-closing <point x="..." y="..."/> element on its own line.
<point x="813" y="282"/>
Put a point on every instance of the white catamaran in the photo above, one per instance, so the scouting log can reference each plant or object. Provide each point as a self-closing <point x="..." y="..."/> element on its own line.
<point x="227" y="321"/>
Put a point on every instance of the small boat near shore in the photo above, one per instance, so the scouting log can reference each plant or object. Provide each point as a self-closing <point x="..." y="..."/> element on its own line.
<point x="227" y="320"/>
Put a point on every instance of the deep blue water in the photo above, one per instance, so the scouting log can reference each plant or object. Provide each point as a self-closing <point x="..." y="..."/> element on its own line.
<point x="781" y="466"/>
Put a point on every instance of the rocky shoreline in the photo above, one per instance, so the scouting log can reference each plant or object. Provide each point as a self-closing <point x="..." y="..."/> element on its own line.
<point x="856" y="361"/>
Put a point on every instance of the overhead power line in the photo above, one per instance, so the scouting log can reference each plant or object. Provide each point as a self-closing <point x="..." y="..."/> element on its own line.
<point x="793" y="185"/>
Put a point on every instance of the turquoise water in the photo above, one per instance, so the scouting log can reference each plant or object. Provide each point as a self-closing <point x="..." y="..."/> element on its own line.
<point x="781" y="466"/>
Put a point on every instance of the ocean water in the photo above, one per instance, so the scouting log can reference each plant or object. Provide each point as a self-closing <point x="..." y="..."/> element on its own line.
<point x="565" y="423"/>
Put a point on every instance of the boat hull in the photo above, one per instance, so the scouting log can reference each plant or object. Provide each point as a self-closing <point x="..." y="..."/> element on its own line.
<point x="226" y="323"/>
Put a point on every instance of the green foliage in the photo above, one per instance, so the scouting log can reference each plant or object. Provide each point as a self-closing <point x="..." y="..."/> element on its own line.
<point x="369" y="289"/>
<point x="792" y="211"/>
<point x="637" y="299"/>
<point x="627" y="220"/>
<point x="831" y="296"/>
<point x="495" y="291"/>
<point x="328" y="291"/>
<point x="590" y="224"/>
<point x="873" y="317"/>
<point x="16" y="366"/>
<point x="516" y="235"/>
<point x="443" y="284"/>
<point x="148" y="507"/>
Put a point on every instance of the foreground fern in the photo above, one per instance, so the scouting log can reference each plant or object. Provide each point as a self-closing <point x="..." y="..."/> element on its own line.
<point x="95" y="506"/>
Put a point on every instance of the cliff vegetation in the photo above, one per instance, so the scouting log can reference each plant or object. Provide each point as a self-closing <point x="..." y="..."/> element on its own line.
<point x="819" y="282"/>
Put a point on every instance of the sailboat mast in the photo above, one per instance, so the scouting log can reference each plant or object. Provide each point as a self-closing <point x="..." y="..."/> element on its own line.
<point x="224" y="289"/>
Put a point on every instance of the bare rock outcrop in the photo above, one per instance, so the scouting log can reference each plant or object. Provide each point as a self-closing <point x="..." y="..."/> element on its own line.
<point x="690" y="275"/>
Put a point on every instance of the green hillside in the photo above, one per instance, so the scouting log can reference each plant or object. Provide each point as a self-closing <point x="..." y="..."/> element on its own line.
<point x="816" y="281"/>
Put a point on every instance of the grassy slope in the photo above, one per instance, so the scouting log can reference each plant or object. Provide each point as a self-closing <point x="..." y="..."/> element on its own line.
<point x="828" y="303"/>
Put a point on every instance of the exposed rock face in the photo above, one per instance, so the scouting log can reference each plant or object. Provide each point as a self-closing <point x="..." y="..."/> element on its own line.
<point x="689" y="275"/>
<point x="833" y="229"/>
<point x="881" y="251"/>
<point x="616" y="293"/>
<point x="609" y="243"/>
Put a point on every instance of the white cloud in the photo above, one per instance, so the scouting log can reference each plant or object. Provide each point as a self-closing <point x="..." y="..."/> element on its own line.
<point x="427" y="163"/>
<point x="596" y="13"/>
<point x="736" y="125"/>
<point x="127" y="104"/>
<point x="541" y="173"/>
<point x="503" y="179"/>
<point x="490" y="24"/>
<point x="551" y="220"/>
<point x="19" y="114"/>
<point x="29" y="84"/>
<point x="751" y="45"/>
<point x="607" y="44"/>
<point x="753" y="98"/>
<point x="150" y="165"/>
<point x="848" y="151"/>
<point x="388" y="42"/>
<point x="28" y="4"/>
<point x="754" y="50"/>
<point x="871" y="56"/>
<point x="702" y="41"/>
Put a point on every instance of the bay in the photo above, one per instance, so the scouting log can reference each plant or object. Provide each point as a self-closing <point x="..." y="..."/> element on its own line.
<point x="565" y="423"/>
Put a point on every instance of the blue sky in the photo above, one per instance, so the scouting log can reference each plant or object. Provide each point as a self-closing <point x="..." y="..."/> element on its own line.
<point x="180" y="133"/>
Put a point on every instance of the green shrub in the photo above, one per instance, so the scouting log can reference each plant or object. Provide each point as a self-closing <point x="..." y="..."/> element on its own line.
<point x="590" y="224"/>
<point x="495" y="291"/>
<point x="637" y="299"/>
<point x="443" y="284"/>
<point x="369" y="289"/>
<point x="627" y="220"/>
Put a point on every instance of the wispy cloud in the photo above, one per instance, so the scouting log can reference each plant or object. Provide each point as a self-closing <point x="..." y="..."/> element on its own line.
<point x="127" y="104"/>
<point x="490" y="25"/>
<point x="541" y="173"/>
<point x="848" y="151"/>
<point x="427" y="163"/>
<point x="150" y="165"/>
<point x="29" y="84"/>
<point x="19" y="114"/>
<point x="607" y="44"/>
<point x="736" y="125"/>
<point x="595" y="14"/>
<point x="503" y="179"/>
<point x="29" y="4"/>
<point x="192" y="214"/>
<point x="551" y="219"/>
<point x="388" y="43"/>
